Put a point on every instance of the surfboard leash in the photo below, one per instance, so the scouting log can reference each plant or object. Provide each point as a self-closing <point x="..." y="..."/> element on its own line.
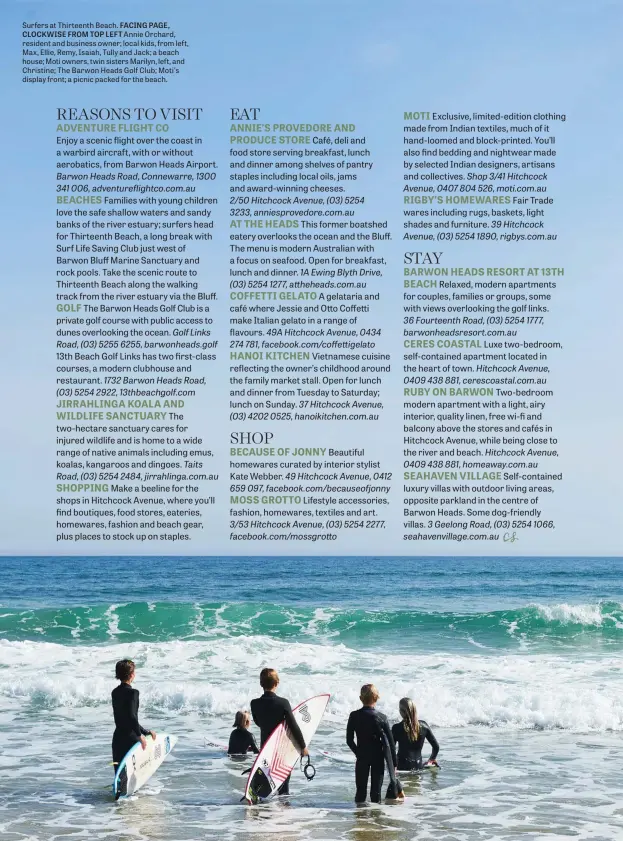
<point x="308" y="769"/>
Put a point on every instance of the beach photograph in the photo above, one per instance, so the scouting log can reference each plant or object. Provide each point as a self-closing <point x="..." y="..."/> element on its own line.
<point x="512" y="667"/>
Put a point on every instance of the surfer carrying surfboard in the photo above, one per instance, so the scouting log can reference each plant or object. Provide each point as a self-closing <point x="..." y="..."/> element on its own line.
<point x="269" y="710"/>
<point x="373" y="734"/>
<point x="128" y="731"/>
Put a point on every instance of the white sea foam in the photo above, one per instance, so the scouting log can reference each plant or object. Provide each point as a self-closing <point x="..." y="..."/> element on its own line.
<point x="216" y="677"/>
<point x="587" y="615"/>
<point x="591" y="615"/>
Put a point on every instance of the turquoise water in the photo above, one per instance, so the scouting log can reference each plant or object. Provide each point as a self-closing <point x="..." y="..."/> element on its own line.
<point x="539" y="626"/>
<point x="516" y="664"/>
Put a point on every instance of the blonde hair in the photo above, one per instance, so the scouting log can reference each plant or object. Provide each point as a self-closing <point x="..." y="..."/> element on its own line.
<point x="369" y="694"/>
<point x="242" y="719"/>
<point x="408" y="713"/>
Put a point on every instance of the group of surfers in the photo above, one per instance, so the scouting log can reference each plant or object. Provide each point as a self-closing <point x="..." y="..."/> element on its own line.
<point x="368" y="733"/>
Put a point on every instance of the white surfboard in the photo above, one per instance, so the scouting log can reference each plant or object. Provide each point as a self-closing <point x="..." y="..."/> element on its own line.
<point x="349" y="759"/>
<point x="221" y="746"/>
<point x="280" y="754"/>
<point x="342" y="758"/>
<point x="140" y="764"/>
<point x="208" y="743"/>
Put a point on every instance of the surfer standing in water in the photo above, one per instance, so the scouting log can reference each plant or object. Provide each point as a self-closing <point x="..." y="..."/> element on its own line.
<point x="125" y="709"/>
<point x="269" y="710"/>
<point x="369" y="726"/>
<point x="241" y="739"/>
<point x="410" y="735"/>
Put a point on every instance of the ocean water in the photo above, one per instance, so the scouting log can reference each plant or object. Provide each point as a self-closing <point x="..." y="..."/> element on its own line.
<point x="516" y="664"/>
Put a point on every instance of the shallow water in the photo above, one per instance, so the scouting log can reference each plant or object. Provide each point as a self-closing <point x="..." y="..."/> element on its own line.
<point x="524" y="695"/>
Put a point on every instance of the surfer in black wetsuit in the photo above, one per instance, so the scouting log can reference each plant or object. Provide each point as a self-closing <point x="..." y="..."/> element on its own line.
<point x="410" y="735"/>
<point x="241" y="739"/>
<point x="269" y="710"/>
<point x="128" y="731"/>
<point x="369" y="726"/>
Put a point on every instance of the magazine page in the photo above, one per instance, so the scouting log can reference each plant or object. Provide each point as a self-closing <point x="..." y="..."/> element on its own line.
<point x="310" y="498"/>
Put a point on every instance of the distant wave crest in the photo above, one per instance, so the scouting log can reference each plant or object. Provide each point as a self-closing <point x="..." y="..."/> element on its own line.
<point x="558" y="624"/>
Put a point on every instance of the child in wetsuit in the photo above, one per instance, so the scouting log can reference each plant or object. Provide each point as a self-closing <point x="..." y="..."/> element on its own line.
<point x="241" y="739"/>
<point x="410" y="735"/>
<point x="369" y="726"/>
<point x="269" y="710"/>
<point x="125" y="709"/>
